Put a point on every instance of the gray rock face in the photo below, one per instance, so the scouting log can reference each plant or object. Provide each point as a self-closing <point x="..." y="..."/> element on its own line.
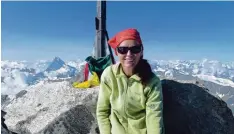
<point x="190" y="109"/>
<point x="20" y="94"/>
<point x="50" y="108"/>
<point x="3" y="130"/>
<point x="4" y="100"/>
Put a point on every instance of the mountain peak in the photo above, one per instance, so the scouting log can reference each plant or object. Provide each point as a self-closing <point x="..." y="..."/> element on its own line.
<point x="56" y="64"/>
<point x="57" y="59"/>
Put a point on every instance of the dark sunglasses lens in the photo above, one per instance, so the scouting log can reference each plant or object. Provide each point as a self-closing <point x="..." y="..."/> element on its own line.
<point x="122" y="50"/>
<point x="136" y="49"/>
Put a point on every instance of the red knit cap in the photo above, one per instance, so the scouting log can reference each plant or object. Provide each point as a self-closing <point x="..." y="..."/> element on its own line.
<point x="128" y="34"/>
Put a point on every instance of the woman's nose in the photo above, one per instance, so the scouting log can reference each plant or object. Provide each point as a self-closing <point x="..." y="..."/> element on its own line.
<point x="129" y="52"/>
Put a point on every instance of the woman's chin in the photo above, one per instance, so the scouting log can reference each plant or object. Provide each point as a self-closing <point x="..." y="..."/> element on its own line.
<point x="129" y="64"/>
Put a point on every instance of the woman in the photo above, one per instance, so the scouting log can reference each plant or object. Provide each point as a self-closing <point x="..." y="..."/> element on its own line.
<point x="130" y="98"/>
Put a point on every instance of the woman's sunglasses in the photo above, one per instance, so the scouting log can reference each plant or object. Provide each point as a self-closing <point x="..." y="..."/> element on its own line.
<point x="134" y="49"/>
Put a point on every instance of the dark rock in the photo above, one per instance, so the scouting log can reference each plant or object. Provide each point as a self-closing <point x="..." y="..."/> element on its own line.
<point x="77" y="120"/>
<point x="189" y="109"/>
<point x="20" y="94"/>
<point x="4" y="99"/>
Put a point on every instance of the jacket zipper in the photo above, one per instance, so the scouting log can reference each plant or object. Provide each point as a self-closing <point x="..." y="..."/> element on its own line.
<point x="126" y="91"/>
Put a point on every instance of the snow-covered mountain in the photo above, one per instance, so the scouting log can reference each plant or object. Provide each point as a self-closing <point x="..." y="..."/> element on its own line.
<point x="208" y="70"/>
<point x="59" y="69"/>
<point x="17" y="76"/>
<point x="216" y="76"/>
<point x="22" y="74"/>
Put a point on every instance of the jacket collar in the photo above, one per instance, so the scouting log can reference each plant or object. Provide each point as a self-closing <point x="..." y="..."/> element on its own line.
<point x="118" y="70"/>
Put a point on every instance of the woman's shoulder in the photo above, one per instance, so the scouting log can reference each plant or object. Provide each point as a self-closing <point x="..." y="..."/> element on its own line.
<point x="155" y="77"/>
<point x="155" y="80"/>
<point x="153" y="85"/>
<point x="110" y="70"/>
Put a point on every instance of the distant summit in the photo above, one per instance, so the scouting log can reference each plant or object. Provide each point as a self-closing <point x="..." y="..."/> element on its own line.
<point x="56" y="64"/>
<point x="58" y="69"/>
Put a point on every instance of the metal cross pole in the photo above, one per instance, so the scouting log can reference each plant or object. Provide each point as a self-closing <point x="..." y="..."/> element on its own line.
<point x="100" y="45"/>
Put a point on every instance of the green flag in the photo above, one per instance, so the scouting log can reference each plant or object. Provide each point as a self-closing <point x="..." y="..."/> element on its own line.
<point x="98" y="65"/>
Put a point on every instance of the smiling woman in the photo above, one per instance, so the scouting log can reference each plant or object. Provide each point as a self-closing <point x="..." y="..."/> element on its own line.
<point x="130" y="97"/>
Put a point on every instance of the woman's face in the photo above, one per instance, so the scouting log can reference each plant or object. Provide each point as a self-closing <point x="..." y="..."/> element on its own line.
<point x="129" y="58"/>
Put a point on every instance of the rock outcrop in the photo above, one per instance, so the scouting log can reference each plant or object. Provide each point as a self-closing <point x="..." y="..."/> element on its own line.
<point x="52" y="108"/>
<point x="188" y="109"/>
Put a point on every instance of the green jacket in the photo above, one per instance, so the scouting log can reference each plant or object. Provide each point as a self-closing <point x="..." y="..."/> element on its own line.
<point x="126" y="107"/>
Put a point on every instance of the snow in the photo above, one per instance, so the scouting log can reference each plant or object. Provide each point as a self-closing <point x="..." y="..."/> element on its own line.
<point x="21" y="75"/>
<point x="17" y="76"/>
<point x="159" y="69"/>
<point x="219" y="95"/>
<point x="195" y="71"/>
<point x="75" y="63"/>
<point x="169" y="74"/>
<point x="220" y="81"/>
<point x="12" y="64"/>
<point x="183" y="72"/>
<point x="14" y="83"/>
<point x="40" y="65"/>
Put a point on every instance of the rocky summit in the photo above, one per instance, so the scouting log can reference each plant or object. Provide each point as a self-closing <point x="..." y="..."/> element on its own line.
<point x="58" y="108"/>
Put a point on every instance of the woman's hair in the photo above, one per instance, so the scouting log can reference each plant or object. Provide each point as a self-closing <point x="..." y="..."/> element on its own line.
<point x="144" y="71"/>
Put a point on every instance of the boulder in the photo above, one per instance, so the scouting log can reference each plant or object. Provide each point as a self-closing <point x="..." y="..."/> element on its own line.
<point x="191" y="109"/>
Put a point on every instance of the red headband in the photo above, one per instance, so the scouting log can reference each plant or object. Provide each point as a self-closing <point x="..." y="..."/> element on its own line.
<point x="128" y="34"/>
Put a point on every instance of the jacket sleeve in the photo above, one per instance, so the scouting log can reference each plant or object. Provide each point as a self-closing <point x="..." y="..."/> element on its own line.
<point x="154" y="109"/>
<point x="103" y="108"/>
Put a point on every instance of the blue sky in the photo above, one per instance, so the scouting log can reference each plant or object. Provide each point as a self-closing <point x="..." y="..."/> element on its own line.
<point x="170" y="30"/>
